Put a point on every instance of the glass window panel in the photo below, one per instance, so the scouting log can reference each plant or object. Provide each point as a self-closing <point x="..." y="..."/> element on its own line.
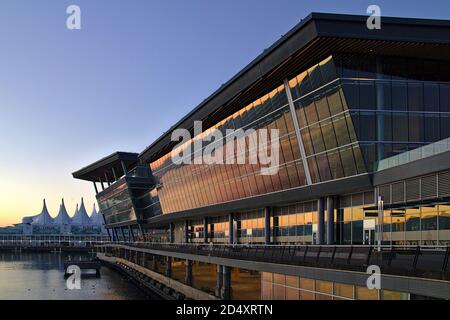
<point x="357" y="232"/>
<point x="324" y="287"/>
<point x="292" y="294"/>
<point x="367" y="95"/>
<point x="335" y="164"/>
<point x="324" y="167"/>
<point x="363" y="293"/>
<point x="328" y="70"/>
<point x="301" y="116"/>
<point x="322" y="108"/>
<point x="292" y="281"/>
<point x="431" y="97"/>
<point x="323" y="297"/>
<point x="415" y="96"/>
<point x="431" y="127"/>
<point x="351" y="91"/>
<point x="335" y="103"/>
<point x="445" y="128"/>
<point x="400" y="127"/>
<point x="399" y="96"/>
<point x="279" y="279"/>
<point x="367" y="126"/>
<point x="306" y="295"/>
<point x="445" y="98"/>
<point x="315" y="77"/>
<point x="307" y="141"/>
<point x="348" y="161"/>
<point x="416" y="127"/>
<point x="279" y="292"/>
<point x="340" y="127"/>
<point x="307" y="284"/>
<point x="329" y="136"/>
<point x="311" y="114"/>
<point x="317" y="139"/>
<point x="429" y="218"/>
<point x="393" y="295"/>
<point x="385" y="122"/>
<point x="343" y="290"/>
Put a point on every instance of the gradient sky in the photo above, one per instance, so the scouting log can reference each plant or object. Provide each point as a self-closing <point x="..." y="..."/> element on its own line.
<point x="68" y="98"/>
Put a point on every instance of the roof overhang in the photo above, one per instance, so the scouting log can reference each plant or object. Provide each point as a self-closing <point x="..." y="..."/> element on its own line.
<point x="314" y="38"/>
<point x="98" y="169"/>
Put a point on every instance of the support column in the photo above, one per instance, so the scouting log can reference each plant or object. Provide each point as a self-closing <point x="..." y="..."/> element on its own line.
<point x="380" y="107"/>
<point x="144" y="259"/>
<point x="188" y="277"/>
<point x="130" y="231"/>
<point x="95" y="187"/>
<point x="297" y="132"/>
<point x="124" y="168"/>
<point x="114" y="174"/>
<point x="231" y="228"/>
<point x="101" y="183"/>
<point x="168" y="266"/>
<point x="107" y="180"/>
<point x="171" y="233"/>
<point x="226" y="283"/>
<point x="219" y="280"/>
<point x="205" y="230"/>
<point x="267" y="225"/>
<point x="154" y="264"/>
<point x="321" y="221"/>
<point x="111" y="237"/>
<point x="330" y="221"/>
<point x="186" y="231"/>
<point x="123" y="234"/>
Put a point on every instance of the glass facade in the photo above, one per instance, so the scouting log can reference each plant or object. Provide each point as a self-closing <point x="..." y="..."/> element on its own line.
<point x="276" y="286"/>
<point x="326" y="127"/>
<point x="326" y="130"/>
<point x="115" y="204"/>
<point x="189" y="186"/>
<point x="350" y="113"/>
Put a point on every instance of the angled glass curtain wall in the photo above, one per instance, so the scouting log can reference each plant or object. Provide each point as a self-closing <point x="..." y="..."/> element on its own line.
<point x="326" y="127"/>
<point x="327" y="133"/>
<point x="116" y="205"/>
<point x="189" y="186"/>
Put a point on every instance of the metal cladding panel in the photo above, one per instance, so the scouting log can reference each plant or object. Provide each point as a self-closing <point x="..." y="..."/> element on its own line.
<point x="444" y="184"/>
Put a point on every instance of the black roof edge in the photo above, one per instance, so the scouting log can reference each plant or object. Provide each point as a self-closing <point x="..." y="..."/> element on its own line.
<point x="116" y="156"/>
<point x="308" y="19"/>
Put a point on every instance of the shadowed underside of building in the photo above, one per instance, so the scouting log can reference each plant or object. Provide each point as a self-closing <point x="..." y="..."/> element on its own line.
<point x="364" y="161"/>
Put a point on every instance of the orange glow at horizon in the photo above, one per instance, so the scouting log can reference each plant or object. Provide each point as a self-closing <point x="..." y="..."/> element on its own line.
<point x="20" y="197"/>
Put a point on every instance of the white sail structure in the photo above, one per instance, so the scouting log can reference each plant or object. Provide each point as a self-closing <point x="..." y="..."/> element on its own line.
<point x="44" y="218"/>
<point x="96" y="217"/>
<point x="74" y="214"/>
<point x="63" y="217"/>
<point x="63" y="220"/>
<point x="81" y="217"/>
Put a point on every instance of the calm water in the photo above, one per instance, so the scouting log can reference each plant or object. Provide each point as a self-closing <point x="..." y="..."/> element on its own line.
<point x="31" y="276"/>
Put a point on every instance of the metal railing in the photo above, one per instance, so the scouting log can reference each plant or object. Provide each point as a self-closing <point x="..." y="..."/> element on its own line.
<point x="427" y="262"/>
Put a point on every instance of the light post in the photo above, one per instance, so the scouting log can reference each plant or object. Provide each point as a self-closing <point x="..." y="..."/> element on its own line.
<point x="380" y="221"/>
